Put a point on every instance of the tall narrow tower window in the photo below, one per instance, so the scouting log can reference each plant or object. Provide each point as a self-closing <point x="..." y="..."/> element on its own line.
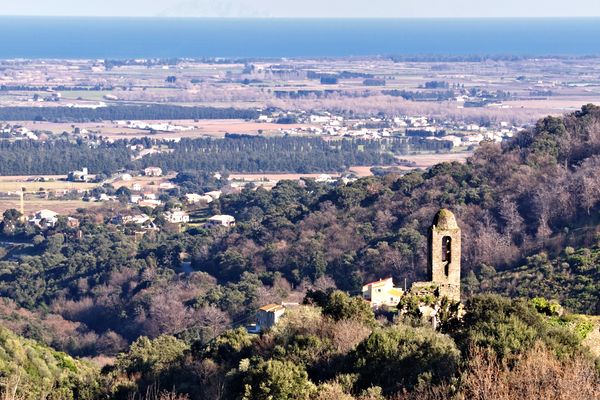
<point x="446" y="248"/>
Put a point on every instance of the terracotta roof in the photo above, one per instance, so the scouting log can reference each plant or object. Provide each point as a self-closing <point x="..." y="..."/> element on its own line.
<point x="271" y="307"/>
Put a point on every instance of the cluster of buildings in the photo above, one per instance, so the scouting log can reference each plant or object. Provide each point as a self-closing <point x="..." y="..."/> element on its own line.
<point x="175" y="216"/>
<point x="49" y="219"/>
<point x="17" y="132"/>
<point x="444" y="253"/>
<point x="457" y="133"/>
<point x="145" y="200"/>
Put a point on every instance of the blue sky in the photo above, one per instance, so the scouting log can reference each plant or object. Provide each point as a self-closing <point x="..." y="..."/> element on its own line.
<point x="305" y="8"/>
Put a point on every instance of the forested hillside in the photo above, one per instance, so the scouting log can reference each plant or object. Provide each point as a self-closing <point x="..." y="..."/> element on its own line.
<point x="540" y="192"/>
<point x="529" y="213"/>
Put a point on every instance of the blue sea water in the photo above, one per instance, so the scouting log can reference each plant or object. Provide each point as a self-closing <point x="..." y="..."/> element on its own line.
<point x="62" y="37"/>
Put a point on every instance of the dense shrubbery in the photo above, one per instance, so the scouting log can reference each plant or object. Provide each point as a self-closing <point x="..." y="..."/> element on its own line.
<point x="31" y="371"/>
<point x="501" y="347"/>
<point x="310" y="356"/>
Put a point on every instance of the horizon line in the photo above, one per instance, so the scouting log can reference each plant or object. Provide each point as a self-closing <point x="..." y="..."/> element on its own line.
<point x="303" y="17"/>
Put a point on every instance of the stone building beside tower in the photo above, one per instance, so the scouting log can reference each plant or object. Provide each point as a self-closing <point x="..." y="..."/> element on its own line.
<point x="443" y="267"/>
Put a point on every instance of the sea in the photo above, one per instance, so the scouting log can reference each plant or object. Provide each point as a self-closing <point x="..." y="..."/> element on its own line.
<point x="126" y="38"/>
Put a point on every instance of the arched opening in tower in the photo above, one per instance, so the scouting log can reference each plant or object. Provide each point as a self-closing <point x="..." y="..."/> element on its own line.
<point x="447" y="253"/>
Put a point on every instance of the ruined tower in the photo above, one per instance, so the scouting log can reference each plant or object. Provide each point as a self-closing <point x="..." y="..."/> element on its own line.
<point x="444" y="255"/>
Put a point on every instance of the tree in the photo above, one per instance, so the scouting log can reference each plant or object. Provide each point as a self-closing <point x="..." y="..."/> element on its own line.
<point x="151" y="357"/>
<point x="403" y="357"/>
<point x="339" y="306"/>
<point x="276" y="380"/>
<point x="10" y="219"/>
<point x="471" y="283"/>
<point x="124" y="194"/>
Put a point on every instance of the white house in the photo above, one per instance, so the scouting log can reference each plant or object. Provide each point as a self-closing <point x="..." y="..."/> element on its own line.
<point x="135" y="198"/>
<point x="177" y="217"/>
<point x="47" y="217"/>
<point x="324" y="178"/>
<point x="382" y="293"/>
<point x="153" y="171"/>
<point x="105" y="197"/>
<point x="220" y="220"/>
<point x="456" y="141"/>
<point x="138" y="219"/>
<point x="268" y="316"/>
<point x="79" y="176"/>
<point x="193" y="198"/>
<point x="150" y="203"/>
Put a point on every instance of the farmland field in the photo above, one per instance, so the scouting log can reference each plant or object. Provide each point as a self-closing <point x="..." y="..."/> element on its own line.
<point x="57" y="182"/>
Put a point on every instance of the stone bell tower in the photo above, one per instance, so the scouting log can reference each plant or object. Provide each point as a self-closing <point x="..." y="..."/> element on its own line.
<point x="444" y="255"/>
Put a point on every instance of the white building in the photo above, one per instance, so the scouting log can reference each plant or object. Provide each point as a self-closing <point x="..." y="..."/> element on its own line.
<point x="177" y="217"/>
<point x="382" y="293"/>
<point x="456" y="141"/>
<point x="268" y="316"/>
<point x="44" y="217"/>
<point x="135" y="198"/>
<point x="221" y="220"/>
<point x="153" y="171"/>
<point x="105" y="197"/>
<point x="324" y="178"/>
<point x="138" y="219"/>
<point x="193" y="198"/>
<point x="79" y="176"/>
<point x="150" y="203"/>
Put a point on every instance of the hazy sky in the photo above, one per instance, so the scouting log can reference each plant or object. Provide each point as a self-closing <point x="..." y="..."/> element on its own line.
<point x="304" y="8"/>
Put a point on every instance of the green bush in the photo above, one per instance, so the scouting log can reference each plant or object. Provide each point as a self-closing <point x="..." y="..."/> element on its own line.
<point x="510" y="327"/>
<point x="276" y="380"/>
<point x="402" y="357"/>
